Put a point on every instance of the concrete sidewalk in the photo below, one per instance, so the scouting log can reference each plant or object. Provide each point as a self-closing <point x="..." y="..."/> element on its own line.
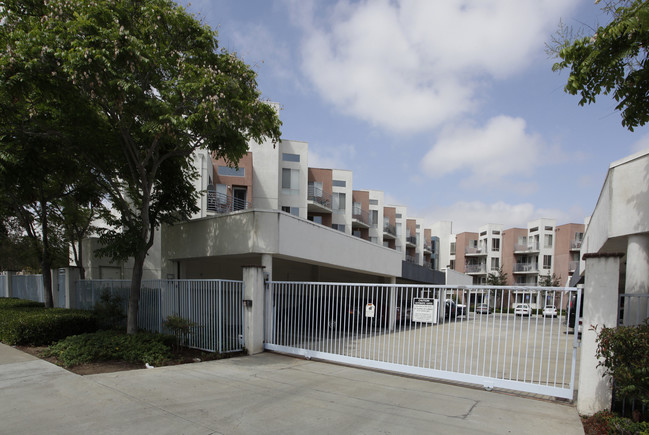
<point x="266" y="393"/>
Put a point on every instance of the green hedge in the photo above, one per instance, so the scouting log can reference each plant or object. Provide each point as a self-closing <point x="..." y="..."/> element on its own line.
<point x="29" y="323"/>
<point x="143" y="347"/>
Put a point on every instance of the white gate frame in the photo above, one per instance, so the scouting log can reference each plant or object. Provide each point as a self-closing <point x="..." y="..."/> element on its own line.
<point x="530" y="328"/>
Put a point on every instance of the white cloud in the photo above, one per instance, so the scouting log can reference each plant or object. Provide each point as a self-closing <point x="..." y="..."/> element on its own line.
<point x="335" y="157"/>
<point x="411" y="65"/>
<point x="501" y="148"/>
<point x="470" y="215"/>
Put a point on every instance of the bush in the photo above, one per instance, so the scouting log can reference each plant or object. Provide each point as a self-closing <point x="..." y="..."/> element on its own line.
<point x="8" y="303"/>
<point x="624" y="351"/>
<point x="180" y="327"/>
<point x="39" y="326"/>
<point x="605" y="422"/>
<point x="110" y="311"/>
<point x="144" y="347"/>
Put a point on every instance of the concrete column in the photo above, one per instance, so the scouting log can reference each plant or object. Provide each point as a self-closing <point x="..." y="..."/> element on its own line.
<point x="599" y="299"/>
<point x="72" y="275"/>
<point x="267" y="264"/>
<point x="9" y="283"/>
<point x="253" y="316"/>
<point x="637" y="278"/>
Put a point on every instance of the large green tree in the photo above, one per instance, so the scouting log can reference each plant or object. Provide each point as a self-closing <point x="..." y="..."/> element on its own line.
<point x="611" y="60"/>
<point x="153" y="78"/>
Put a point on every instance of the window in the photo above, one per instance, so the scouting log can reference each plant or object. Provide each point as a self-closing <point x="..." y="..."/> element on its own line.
<point x="398" y="216"/>
<point x="547" y="241"/>
<point x="484" y="233"/>
<point x="452" y="249"/>
<point x="315" y="189"/>
<point x="386" y="243"/>
<point x="339" y="183"/>
<point x="522" y="240"/>
<point x="398" y="229"/>
<point x="374" y="202"/>
<point x="290" y="157"/>
<point x="533" y="230"/>
<point x="357" y="233"/>
<point x="547" y="262"/>
<point x="374" y="218"/>
<point x="338" y="200"/>
<point x="339" y="227"/>
<point x="548" y="228"/>
<point x="221" y="194"/>
<point x="495" y="245"/>
<point x="495" y="263"/>
<point x="495" y="232"/>
<point x="316" y="219"/>
<point x="231" y="172"/>
<point x="579" y="237"/>
<point x="452" y="265"/>
<point x="418" y="226"/>
<point x="292" y="210"/>
<point x="290" y="181"/>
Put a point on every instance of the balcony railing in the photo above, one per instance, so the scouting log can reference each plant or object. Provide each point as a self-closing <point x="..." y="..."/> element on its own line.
<point x="390" y="229"/>
<point x="222" y="203"/>
<point x="411" y="259"/>
<point x="412" y="240"/>
<point x="473" y="250"/>
<point x="573" y="265"/>
<point x="526" y="248"/>
<point x="526" y="267"/>
<point x="428" y="248"/>
<point x="319" y="196"/>
<point x="361" y="216"/>
<point x="575" y="244"/>
<point x="475" y="268"/>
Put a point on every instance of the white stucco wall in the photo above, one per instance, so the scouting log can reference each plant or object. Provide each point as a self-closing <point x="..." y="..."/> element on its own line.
<point x="443" y="230"/>
<point x="346" y="217"/>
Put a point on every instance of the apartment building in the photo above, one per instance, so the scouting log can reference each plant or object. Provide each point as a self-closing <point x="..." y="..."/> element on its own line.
<point x="298" y="222"/>
<point x="526" y="255"/>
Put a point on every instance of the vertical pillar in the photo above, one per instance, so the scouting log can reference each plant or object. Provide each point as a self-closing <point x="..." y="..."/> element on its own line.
<point x="253" y="314"/>
<point x="267" y="264"/>
<point x="637" y="278"/>
<point x="9" y="283"/>
<point x="72" y="275"/>
<point x="600" y="302"/>
<point x="54" y="277"/>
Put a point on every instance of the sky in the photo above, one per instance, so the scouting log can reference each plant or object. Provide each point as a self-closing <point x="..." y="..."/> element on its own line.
<point x="449" y="107"/>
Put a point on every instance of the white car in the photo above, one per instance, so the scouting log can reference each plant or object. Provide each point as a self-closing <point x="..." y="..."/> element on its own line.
<point x="523" y="310"/>
<point x="549" y="311"/>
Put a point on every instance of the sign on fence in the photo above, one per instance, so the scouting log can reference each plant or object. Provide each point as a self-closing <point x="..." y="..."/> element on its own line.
<point x="424" y="310"/>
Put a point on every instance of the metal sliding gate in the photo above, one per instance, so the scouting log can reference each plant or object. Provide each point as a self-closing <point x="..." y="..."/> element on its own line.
<point x="497" y="337"/>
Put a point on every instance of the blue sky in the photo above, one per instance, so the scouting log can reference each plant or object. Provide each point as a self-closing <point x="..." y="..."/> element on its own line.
<point x="450" y="107"/>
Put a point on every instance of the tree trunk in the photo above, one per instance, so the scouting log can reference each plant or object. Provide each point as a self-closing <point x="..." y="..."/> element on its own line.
<point x="82" y="270"/>
<point x="134" y="294"/>
<point x="46" y="261"/>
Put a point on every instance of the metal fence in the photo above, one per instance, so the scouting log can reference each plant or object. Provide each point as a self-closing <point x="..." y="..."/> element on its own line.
<point x="28" y="287"/>
<point x="3" y="284"/>
<point x="215" y="306"/>
<point x="480" y="335"/>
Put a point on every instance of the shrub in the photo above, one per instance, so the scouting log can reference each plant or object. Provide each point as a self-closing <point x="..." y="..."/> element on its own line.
<point x="110" y="311"/>
<point x="624" y="352"/>
<point x="180" y="328"/>
<point x="26" y="324"/>
<point x="143" y="347"/>
<point x="7" y="303"/>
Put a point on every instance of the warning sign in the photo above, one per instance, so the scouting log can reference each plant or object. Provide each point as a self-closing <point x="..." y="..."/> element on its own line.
<point x="424" y="310"/>
<point x="369" y="310"/>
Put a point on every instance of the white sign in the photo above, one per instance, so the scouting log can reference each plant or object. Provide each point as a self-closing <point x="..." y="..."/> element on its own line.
<point x="424" y="310"/>
<point x="369" y="310"/>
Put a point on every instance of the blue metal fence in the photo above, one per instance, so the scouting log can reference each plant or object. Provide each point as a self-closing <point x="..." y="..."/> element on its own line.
<point x="215" y="306"/>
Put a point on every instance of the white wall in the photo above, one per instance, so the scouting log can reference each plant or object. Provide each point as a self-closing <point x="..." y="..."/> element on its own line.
<point x="346" y="217"/>
<point x="377" y="231"/>
<point x="298" y="200"/>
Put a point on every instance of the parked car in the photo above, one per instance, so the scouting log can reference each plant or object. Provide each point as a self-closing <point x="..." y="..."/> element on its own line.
<point x="549" y="311"/>
<point x="454" y="310"/>
<point x="483" y="309"/>
<point x="522" y="310"/>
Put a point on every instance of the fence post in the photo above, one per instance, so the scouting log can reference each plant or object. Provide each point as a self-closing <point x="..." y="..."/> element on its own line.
<point x="600" y="302"/>
<point x="253" y="309"/>
<point x="72" y="275"/>
<point x="9" y="283"/>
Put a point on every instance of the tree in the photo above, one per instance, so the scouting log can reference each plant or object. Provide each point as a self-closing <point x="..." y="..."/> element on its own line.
<point x="499" y="278"/>
<point x="151" y="77"/>
<point x="550" y="280"/>
<point x="613" y="60"/>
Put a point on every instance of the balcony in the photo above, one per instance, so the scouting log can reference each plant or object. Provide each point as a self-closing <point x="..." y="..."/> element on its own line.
<point x="428" y="249"/>
<point x="360" y="218"/>
<point x="221" y="203"/>
<point x="475" y="268"/>
<point x="526" y="268"/>
<point x="526" y="249"/>
<point x="411" y="241"/>
<point x="318" y="200"/>
<point x="573" y="266"/>
<point x="474" y="252"/>
<point x="389" y="232"/>
<point x="411" y="259"/>
<point x="575" y="245"/>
